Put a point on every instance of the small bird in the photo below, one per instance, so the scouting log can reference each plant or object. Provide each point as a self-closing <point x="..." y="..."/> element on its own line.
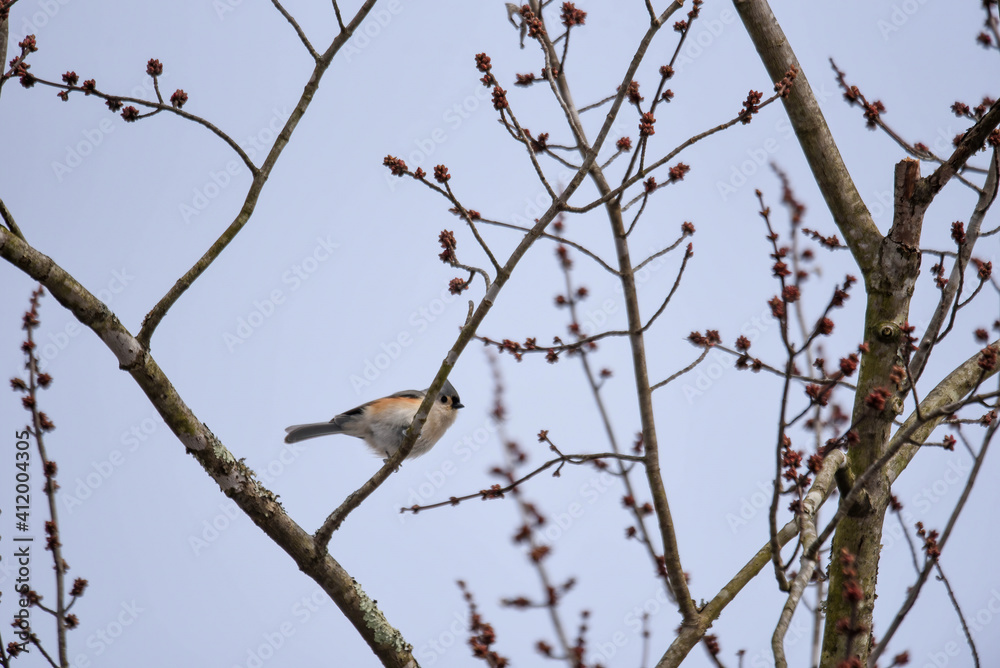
<point x="382" y="423"/>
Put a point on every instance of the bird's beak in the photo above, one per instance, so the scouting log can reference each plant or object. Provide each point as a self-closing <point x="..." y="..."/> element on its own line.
<point x="456" y="406"/>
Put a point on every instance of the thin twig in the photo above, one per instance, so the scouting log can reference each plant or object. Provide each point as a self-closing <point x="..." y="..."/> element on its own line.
<point x="340" y="20"/>
<point x="958" y="611"/>
<point x="654" y="21"/>
<point x="760" y="365"/>
<point x="909" y="541"/>
<point x="597" y="104"/>
<point x="158" y="107"/>
<point x="52" y="662"/>
<point x="497" y="491"/>
<point x="623" y="471"/>
<point x="8" y="218"/>
<point x="579" y="344"/>
<point x="467" y="217"/>
<point x="645" y="640"/>
<point x="563" y="240"/>
<point x="53" y="544"/>
<point x="638" y="176"/>
<point x="673" y="289"/>
<point x="660" y="252"/>
<point x="678" y="374"/>
<point x="298" y="28"/>
<point x="671" y="560"/>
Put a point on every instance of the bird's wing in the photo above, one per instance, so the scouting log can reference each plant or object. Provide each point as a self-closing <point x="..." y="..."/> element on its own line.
<point x="410" y="394"/>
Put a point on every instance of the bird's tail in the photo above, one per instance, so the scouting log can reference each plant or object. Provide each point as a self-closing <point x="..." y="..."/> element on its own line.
<point x="301" y="432"/>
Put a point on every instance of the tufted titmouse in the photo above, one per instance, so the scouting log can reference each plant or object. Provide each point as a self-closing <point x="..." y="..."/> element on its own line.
<point x="382" y="423"/>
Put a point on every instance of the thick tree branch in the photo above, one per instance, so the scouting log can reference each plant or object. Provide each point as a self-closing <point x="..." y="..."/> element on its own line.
<point x="889" y="283"/>
<point x="233" y="477"/>
<point x="972" y="142"/>
<point x="957" y="384"/>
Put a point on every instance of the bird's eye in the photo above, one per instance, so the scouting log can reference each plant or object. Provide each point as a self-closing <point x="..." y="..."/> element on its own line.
<point x="444" y="400"/>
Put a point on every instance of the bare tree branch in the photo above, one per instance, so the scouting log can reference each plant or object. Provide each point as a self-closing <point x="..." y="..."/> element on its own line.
<point x="806" y="519"/>
<point x="948" y="295"/>
<point x="8" y="219"/>
<point x="688" y="636"/>
<point x="298" y="28"/>
<point x="233" y="477"/>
